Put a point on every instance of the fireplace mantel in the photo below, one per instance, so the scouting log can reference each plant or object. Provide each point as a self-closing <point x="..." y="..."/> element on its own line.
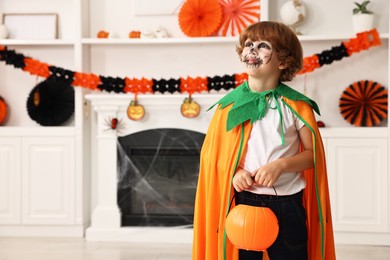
<point x="161" y="111"/>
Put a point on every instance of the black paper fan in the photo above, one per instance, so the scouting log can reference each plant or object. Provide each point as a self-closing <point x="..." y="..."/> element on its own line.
<point x="51" y="102"/>
<point x="364" y="103"/>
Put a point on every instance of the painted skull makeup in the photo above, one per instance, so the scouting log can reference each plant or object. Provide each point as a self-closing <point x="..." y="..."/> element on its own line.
<point x="256" y="53"/>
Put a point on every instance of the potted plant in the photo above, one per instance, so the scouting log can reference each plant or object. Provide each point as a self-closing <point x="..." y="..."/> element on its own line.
<point x="362" y="19"/>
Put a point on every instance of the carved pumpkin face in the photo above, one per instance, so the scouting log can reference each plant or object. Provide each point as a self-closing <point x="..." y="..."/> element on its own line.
<point x="190" y="108"/>
<point x="135" y="111"/>
<point x="251" y="228"/>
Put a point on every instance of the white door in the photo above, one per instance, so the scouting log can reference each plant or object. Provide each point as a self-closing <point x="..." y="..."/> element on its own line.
<point x="48" y="181"/>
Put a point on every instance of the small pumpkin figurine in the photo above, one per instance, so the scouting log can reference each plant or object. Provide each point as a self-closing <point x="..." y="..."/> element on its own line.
<point x="135" y="34"/>
<point x="103" y="34"/>
<point x="251" y="228"/>
<point x="190" y="108"/>
<point x="135" y="111"/>
<point x="3" y="110"/>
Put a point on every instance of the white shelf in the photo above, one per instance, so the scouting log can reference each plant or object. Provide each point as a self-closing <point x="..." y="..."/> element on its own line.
<point x="56" y="42"/>
<point x="162" y="41"/>
<point x="189" y="40"/>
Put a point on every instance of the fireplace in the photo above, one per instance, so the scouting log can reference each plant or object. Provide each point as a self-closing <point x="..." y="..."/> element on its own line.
<point x="122" y="218"/>
<point x="157" y="177"/>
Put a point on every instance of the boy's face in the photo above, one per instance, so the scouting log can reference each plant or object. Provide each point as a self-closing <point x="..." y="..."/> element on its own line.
<point x="257" y="55"/>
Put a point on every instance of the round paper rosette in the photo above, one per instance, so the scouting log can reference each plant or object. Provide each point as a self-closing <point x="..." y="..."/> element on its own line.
<point x="200" y="18"/>
<point x="51" y="103"/>
<point x="237" y="15"/>
<point x="364" y="103"/>
<point x="3" y="110"/>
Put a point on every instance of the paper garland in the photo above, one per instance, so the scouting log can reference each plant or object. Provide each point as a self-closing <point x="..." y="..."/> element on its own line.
<point x="190" y="85"/>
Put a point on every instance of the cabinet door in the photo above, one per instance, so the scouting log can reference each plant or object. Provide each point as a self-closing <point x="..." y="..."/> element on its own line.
<point x="358" y="179"/>
<point x="10" y="167"/>
<point x="48" y="194"/>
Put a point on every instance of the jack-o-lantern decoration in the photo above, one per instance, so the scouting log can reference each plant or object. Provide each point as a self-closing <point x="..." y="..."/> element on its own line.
<point x="252" y="228"/>
<point x="103" y="34"/>
<point x="135" y="34"/>
<point x="135" y="111"/>
<point x="190" y="108"/>
<point x="3" y="110"/>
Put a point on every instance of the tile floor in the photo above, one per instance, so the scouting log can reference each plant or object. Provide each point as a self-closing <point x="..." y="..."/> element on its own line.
<point x="79" y="249"/>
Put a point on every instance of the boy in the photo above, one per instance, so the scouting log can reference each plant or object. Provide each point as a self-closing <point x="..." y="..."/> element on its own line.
<point x="263" y="145"/>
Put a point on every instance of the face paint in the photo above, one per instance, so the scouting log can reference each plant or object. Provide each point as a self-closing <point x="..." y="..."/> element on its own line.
<point x="256" y="53"/>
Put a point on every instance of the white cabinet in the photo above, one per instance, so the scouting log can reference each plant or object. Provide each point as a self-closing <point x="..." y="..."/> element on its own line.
<point x="10" y="180"/>
<point x="48" y="182"/>
<point x="40" y="191"/>
<point x="359" y="182"/>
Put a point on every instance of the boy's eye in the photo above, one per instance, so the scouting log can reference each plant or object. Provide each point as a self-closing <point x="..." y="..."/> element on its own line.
<point x="248" y="44"/>
<point x="264" y="45"/>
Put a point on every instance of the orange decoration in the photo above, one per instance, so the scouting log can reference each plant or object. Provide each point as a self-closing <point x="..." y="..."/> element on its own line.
<point x="3" y="110"/>
<point x="102" y="34"/>
<point x="241" y="78"/>
<point x="135" y="34"/>
<point x="138" y="85"/>
<point x="310" y="63"/>
<point x="251" y="228"/>
<point x="35" y="67"/>
<point x="86" y="80"/>
<point x="364" y="103"/>
<point x="200" y="18"/>
<point x="237" y="15"/>
<point x="190" y="108"/>
<point x="135" y="111"/>
<point x="363" y="41"/>
<point x="2" y="47"/>
<point x="192" y="85"/>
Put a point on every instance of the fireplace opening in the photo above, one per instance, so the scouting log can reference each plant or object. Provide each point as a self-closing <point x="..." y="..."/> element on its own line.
<point x="157" y="177"/>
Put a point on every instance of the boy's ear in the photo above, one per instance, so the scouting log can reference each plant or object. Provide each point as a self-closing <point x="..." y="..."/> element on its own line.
<point x="283" y="66"/>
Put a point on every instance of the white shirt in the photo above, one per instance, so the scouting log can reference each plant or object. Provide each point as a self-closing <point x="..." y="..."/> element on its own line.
<point x="265" y="145"/>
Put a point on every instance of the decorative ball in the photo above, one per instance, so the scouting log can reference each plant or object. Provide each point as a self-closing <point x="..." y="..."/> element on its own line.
<point x="252" y="228"/>
<point x="51" y="102"/>
<point x="292" y="12"/>
<point x="320" y="124"/>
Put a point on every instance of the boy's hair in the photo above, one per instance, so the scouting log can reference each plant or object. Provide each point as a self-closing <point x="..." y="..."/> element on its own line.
<point x="284" y="42"/>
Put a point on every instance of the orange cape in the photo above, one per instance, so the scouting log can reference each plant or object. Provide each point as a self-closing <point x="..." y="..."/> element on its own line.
<point x="219" y="159"/>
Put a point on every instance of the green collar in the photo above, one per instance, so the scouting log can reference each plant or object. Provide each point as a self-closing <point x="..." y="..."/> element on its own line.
<point x="249" y="105"/>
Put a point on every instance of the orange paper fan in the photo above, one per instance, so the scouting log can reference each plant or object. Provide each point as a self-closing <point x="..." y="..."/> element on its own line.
<point x="200" y="18"/>
<point x="364" y="103"/>
<point x="237" y="15"/>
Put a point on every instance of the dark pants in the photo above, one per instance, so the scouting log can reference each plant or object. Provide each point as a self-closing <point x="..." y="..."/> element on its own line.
<point x="291" y="243"/>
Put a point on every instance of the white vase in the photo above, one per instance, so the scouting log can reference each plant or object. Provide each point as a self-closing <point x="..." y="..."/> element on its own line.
<point x="3" y="32"/>
<point x="362" y="22"/>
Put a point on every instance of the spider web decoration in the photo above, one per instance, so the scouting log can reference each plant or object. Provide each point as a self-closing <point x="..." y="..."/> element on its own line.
<point x="237" y="15"/>
<point x="364" y="103"/>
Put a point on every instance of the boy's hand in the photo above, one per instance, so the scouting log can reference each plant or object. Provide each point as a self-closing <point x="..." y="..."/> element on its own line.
<point x="268" y="174"/>
<point x="242" y="180"/>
